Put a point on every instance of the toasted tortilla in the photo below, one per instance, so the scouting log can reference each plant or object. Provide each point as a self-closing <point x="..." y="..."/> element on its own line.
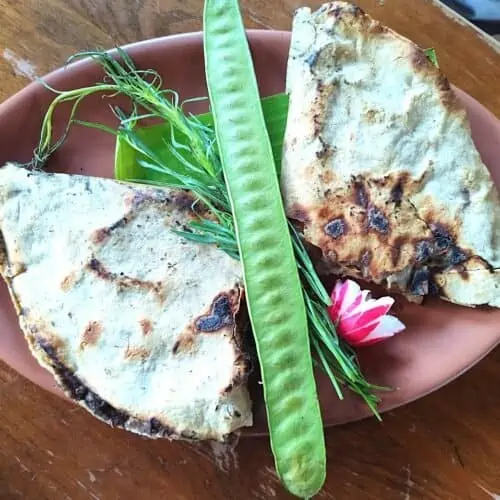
<point x="379" y="164"/>
<point x="137" y="324"/>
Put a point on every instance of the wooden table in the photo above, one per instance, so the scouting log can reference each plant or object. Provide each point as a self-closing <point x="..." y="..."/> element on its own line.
<point x="445" y="446"/>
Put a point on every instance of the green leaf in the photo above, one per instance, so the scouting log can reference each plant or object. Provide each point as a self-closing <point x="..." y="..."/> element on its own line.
<point x="157" y="137"/>
<point x="431" y="55"/>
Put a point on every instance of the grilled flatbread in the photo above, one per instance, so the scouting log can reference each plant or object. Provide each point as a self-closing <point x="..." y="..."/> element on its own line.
<point x="137" y="324"/>
<point x="379" y="164"/>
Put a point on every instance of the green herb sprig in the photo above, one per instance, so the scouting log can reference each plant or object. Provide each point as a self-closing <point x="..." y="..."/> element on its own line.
<point x="198" y="169"/>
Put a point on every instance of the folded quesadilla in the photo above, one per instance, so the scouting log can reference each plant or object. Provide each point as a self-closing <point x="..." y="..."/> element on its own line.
<point x="379" y="164"/>
<point x="140" y="326"/>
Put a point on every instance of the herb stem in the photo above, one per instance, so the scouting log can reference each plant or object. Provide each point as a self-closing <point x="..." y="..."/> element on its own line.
<point x="201" y="174"/>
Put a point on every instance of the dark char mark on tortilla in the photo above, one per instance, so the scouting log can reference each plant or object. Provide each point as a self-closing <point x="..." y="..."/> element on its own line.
<point x="78" y="391"/>
<point x="337" y="10"/>
<point x="122" y="280"/>
<point x="457" y="256"/>
<point x="360" y="194"/>
<point x="446" y="252"/>
<point x="377" y="220"/>
<point x="396" y="195"/>
<point x="434" y="255"/>
<point x="102" y="234"/>
<point x="442" y="239"/>
<point x="420" y="281"/>
<point x="312" y="59"/>
<point x="466" y="195"/>
<point x="434" y="289"/>
<point x="220" y="315"/>
<point x="335" y="228"/>
<point x="325" y="150"/>
<point x="423" y="251"/>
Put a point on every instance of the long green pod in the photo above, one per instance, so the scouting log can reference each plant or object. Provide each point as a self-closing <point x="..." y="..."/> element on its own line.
<point x="274" y="296"/>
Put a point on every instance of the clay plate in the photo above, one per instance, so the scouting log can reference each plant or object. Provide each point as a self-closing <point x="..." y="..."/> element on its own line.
<point x="442" y="340"/>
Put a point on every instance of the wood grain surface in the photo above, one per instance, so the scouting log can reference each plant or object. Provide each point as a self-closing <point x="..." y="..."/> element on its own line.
<point x="445" y="446"/>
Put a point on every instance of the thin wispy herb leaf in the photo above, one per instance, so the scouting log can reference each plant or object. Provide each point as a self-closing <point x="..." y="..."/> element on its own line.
<point x="183" y="155"/>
